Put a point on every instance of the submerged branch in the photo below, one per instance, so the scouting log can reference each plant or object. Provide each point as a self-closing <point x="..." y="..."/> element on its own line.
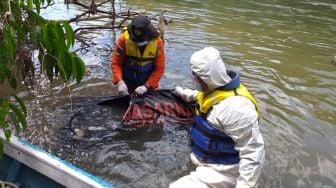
<point x="96" y="27"/>
<point x="93" y="6"/>
<point x="78" y="18"/>
<point x="96" y="12"/>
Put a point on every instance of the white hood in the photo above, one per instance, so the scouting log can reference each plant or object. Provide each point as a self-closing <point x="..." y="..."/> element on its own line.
<point x="209" y="66"/>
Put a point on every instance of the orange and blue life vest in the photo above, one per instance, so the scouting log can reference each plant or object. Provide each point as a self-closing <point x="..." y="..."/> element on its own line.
<point x="209" y="144"/>
<point x="138" y="66"/>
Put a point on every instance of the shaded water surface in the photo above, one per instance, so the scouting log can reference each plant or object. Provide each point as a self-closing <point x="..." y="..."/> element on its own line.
<point x="282" y="50"/>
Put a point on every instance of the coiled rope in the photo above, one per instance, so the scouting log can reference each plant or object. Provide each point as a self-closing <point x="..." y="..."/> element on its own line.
<point x="6" y="184"/>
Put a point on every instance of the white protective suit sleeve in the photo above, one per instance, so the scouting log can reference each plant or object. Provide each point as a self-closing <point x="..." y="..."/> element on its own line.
<point x="237" y="117"/>
<point x="187" y="95"/>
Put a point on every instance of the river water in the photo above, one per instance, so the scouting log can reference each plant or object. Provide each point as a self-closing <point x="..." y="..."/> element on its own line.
<point x="281" y="48"/>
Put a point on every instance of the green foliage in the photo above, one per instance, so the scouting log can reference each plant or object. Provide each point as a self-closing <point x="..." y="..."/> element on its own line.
<point x="53" y="41"/>
<point x="54" y="54"/>
<point x="14" y="113"/>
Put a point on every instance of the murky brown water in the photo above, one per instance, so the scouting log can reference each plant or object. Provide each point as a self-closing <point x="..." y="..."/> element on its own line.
<point x="282" y="50"/>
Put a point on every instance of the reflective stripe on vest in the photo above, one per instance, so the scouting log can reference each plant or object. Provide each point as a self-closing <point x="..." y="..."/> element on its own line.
<point x="137" y="67"/>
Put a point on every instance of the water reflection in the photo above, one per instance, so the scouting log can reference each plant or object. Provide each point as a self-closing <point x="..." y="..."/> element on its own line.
<point x="282" y="50"/>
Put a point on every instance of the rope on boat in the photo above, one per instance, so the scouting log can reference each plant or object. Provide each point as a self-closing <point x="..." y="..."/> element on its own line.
<point x="6" y="184"/>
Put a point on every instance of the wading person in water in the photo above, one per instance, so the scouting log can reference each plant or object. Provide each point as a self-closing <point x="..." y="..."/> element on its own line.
<point x="138" y="59"/>
<point x="227" y="146"/>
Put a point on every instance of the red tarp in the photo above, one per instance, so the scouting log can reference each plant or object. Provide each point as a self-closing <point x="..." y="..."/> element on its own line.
<point x="156" y="108"/>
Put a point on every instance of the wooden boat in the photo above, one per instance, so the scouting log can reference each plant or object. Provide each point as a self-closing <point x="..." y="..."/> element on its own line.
<point x="25" y="165"/>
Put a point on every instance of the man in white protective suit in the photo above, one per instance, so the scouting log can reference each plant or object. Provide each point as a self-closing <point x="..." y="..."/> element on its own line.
<point x="226" y="143"/>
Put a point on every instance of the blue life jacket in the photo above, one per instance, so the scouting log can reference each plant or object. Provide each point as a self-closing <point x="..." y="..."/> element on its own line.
<point x="209" y="144"/>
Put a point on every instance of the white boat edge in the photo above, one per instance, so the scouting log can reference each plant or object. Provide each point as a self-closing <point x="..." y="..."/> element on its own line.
<point x="49" y="165"/>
